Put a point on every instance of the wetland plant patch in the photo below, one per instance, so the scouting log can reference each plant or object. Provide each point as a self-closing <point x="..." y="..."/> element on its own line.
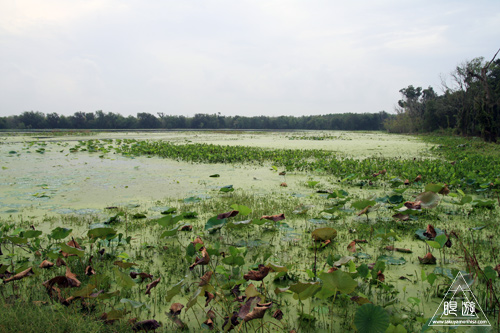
<point x="371" y="245"/>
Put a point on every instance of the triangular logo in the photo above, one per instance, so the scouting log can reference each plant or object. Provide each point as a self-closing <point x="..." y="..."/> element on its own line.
<point x="459" y="307"/>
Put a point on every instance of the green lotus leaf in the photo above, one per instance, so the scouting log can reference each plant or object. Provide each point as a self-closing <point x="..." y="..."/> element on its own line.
<point x="175" y="290"/>
<point x="303" y="291"/>
<point x="370" y="318"/>
<point x="362" y="204"/>
<point x="392" y="260"/>
<point x="122" y="279"/>
<point x="215" y="223"/>
<point x="323" y="234"/>
<point x="243" y="210"/>
<point x="336" y="281"/>
<point x="434" y="188"/>
<point x="60" y="233"/>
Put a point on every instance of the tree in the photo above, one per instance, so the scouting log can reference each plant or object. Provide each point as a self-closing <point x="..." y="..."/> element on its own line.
<point x="52" y="120"/>
<point x="147" y="120"/>
<point x="488" y="100"/>
<point x="32" y="120"/>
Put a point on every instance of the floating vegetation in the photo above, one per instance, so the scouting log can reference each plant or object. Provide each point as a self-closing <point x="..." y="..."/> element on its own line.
<point x="336" y="250"/>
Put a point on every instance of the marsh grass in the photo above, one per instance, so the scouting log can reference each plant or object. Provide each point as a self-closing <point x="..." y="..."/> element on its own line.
<point x="284" y="243"/>
<point x="21" y="315"/>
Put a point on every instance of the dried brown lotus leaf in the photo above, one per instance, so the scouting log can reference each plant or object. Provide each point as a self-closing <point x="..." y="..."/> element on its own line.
<point x="204" y="260"/>
<point x="274" y="218"/>
<point x="257" y="312"/>
<point x="445" y="190"/>
<point x="60" y="262"/>
<point x="351" y="247"/>
<point x="365" y="210"/>
<point x="211" y="314"/>
<point x="249" y="304"/>
<point x="46" y="264"/>
<point x="146" y="325"/>
<point x="413" y="205"/>
<point x="89" y="271"/>
<point x="360" y="300"/>
<point x="74" y="244"/>
<point x="198" y="241"/>
<point x="278" y="314"/>
<point x="430" y="232"/>
<point x="209" y="323"/>
<point x="236" y="290"/>
<point x="401" y="217"/>
<point x="380" y="276"/>
<point x="72" y="278"/>
<point x="175" y="309"/>
<point x="428" y="259"/>
<point x="257" y="275"/>
<point x="142" y="275"/>
<point x="186" y="228"/>
<point x="152" y="285"/>
<point x="497" y="269"/>
<point x="227" y="215"/>
<point x="205" y="279"/>
<point x="20" y="275"/>
<point x="208" y="297"/>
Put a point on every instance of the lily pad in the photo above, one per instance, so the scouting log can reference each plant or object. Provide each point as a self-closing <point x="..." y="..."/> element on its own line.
<point x="361" y="255"/>
<point x="170" y="210"/>
<point x="176" y="289"/>
<point x="169" y="233"/>
<point x="336" y="281"/>
<point x="420" y="234"/>
<point x="362" y="204"/>
<point x="395" y="199"/>
<point x="323" y="234"/>
<point x="227" y="188"/>
<point x="303" y="291"/>
<point x="428" y="199"/>
<point x="101" y="232"/>
<point x="60" y="233"/>
<point x="392" y="260"/>
<point x="434" y="187"/>
<point x="371" y="318"/>
<point x="214" y="223"/>
<point x="343" y="260"/>
<point x="243" y="210"/>
<point x="193" y="199"/>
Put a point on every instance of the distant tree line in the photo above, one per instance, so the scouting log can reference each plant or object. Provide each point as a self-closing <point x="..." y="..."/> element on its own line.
<point x="102" y="120"/>
<point x="470" y="104"/>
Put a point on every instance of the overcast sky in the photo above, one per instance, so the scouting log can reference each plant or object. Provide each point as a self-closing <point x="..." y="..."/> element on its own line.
<point x="236" y="57"/>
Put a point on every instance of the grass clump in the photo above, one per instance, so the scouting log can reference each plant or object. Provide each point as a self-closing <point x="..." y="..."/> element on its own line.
<point x="20" y="315"/>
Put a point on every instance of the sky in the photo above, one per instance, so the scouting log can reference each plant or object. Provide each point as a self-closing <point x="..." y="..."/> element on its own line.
<point x="236" y="57"/>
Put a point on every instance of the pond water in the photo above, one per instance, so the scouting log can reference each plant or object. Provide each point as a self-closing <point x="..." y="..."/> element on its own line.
<point x="57" y="181"/>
